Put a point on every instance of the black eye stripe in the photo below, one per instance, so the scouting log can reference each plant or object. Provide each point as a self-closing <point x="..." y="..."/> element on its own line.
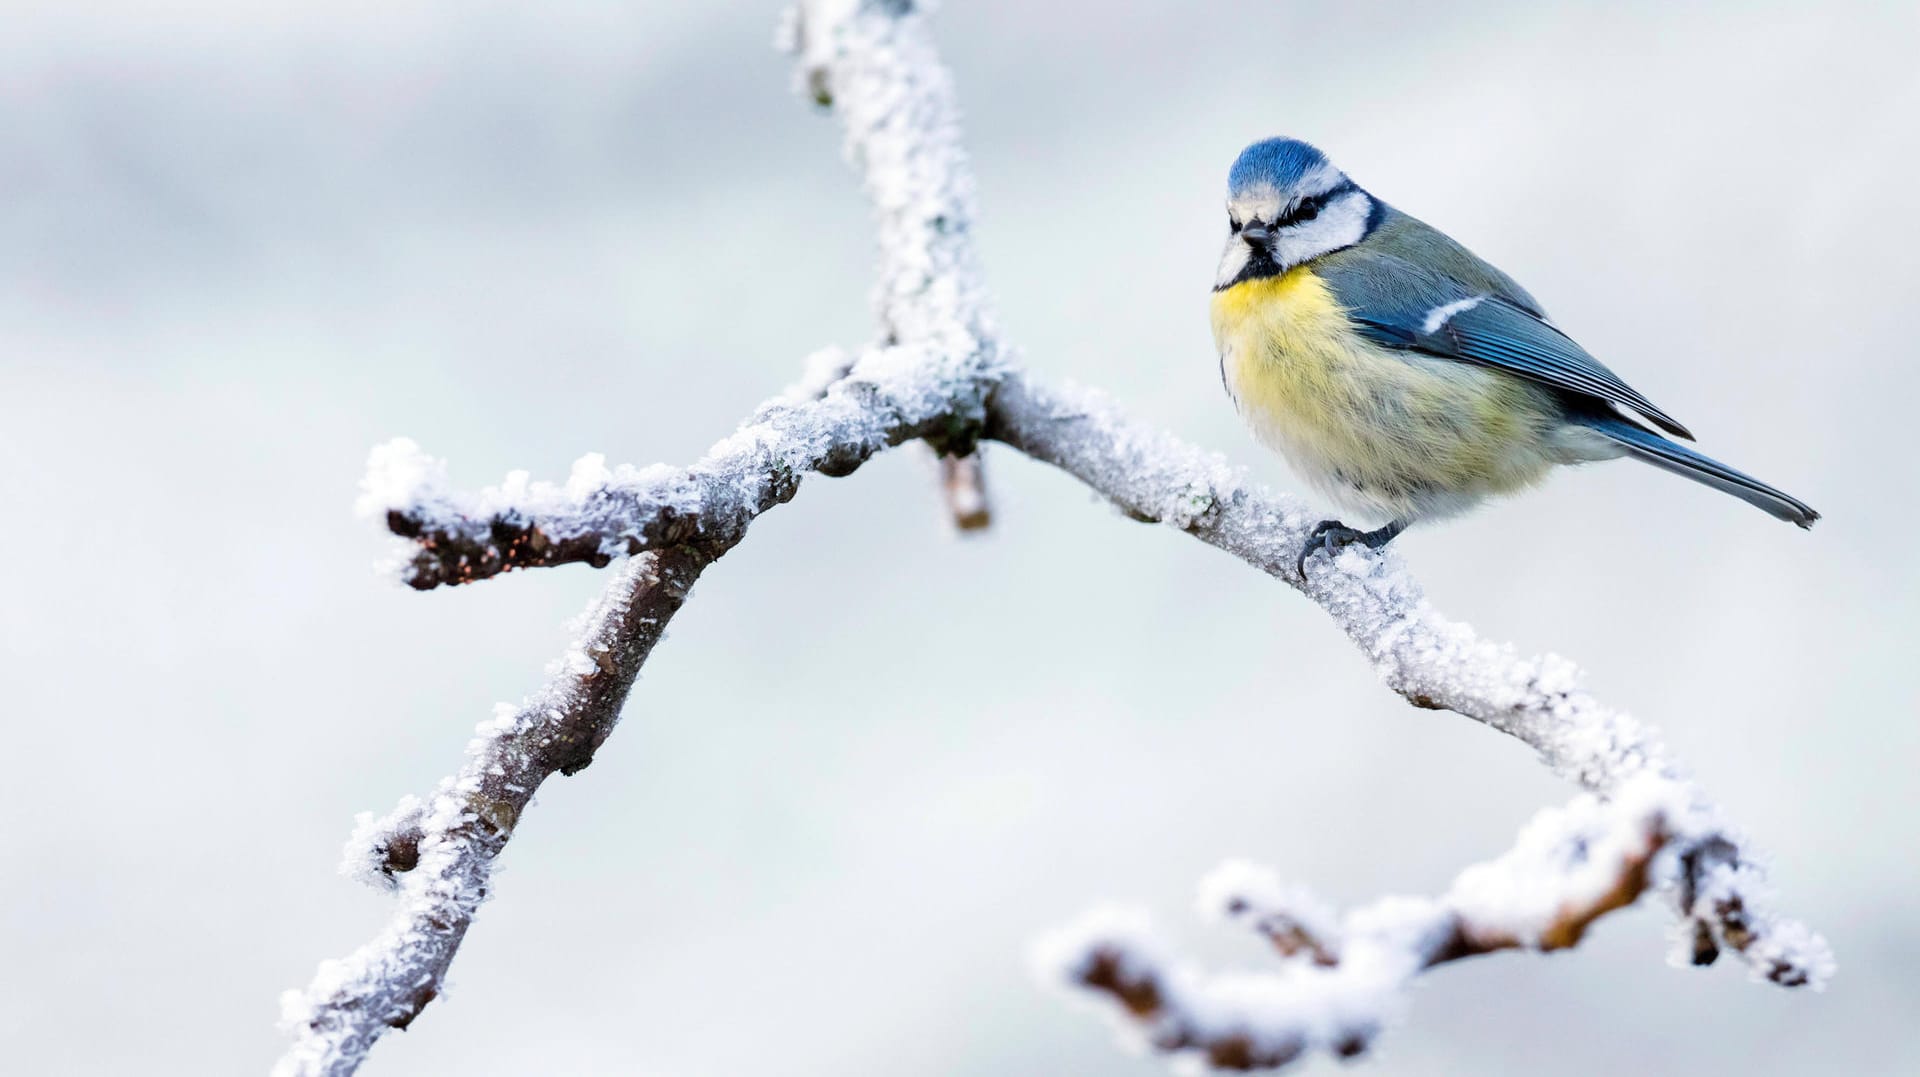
<point x="1303" y="210"/>
<point x="1308" y="208"/>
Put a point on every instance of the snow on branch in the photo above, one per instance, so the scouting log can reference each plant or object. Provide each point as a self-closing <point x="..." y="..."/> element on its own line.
<point x="439" y="853"/>
<point x="1433" y="662"/>
<point x="928" y="381"/>
<point x="876" y="66"/>
<point x="1344" y="979"/>
<point x="888" y="397"/>
<point x="941" y="374"/>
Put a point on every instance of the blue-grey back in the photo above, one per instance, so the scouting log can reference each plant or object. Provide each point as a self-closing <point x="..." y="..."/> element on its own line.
<point x="1408" y="286"/>
<point x="1410" y="239"/>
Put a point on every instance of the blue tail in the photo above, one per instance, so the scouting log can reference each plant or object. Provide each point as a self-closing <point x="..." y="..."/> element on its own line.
<point x="1670" y="456"/>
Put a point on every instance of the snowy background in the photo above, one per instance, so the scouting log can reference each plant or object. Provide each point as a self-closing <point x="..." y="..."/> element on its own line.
<point x="239" y="245"/>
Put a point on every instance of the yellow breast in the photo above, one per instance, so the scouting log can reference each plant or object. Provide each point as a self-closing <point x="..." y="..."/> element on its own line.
<point x="1284" y="343"/>
<point x="1400" y="433"/>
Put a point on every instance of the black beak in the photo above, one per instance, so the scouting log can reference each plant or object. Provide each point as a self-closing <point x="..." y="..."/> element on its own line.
<point x="1256" y="234"/>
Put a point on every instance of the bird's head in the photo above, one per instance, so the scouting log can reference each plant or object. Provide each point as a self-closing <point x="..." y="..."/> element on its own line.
<point x="1287" y="204"/>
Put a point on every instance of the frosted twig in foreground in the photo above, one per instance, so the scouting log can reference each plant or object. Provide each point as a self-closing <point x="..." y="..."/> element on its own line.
<point x="1343" y="979"/>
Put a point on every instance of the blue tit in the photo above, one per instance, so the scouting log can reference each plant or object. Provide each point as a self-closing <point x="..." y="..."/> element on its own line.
<point x="1402" y="375"/>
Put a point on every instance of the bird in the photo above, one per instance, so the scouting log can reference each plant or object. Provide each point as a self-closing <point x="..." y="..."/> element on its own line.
<point x="1402" y="375"/>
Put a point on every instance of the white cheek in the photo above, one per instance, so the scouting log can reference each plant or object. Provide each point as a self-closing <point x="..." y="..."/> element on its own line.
<point x="1340" y="225"/>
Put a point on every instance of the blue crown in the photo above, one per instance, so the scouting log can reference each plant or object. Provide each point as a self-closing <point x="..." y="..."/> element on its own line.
<point x="1276" y="162"/>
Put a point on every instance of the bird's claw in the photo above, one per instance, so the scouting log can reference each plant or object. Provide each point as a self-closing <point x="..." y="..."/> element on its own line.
<point x="1331" y="535"/>
<point x="1328" y="535"/>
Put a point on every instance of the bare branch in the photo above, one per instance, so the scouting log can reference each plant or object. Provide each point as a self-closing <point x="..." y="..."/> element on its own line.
<point x="1342" y="980"/>
<point x="964" y="479"/>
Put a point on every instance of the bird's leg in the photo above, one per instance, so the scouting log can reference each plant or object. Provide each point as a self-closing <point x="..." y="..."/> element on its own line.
<point x="1331" y="535"/>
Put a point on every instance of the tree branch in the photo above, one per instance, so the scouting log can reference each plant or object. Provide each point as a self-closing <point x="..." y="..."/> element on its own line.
<point x="964" y="480"/>
<point x="902" y="128"/>
<point x="901" y="121"/>
<point x="439" y="854"/>
<point x="1430" y="661"/>
<point x="888" y="397"/>
<point x="1343" y="979"/>
<point x="942" y="375"/>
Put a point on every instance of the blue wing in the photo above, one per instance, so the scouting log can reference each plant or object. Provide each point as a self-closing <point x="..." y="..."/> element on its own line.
<point x="1396" y="303"/>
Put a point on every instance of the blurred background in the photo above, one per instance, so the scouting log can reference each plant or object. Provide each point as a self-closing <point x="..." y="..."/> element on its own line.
<point x="240" y="244"/>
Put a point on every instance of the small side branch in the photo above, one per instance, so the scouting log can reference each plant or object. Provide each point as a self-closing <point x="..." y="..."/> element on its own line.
<point x="964" y="481"/>
<point x="1344" y="979"/>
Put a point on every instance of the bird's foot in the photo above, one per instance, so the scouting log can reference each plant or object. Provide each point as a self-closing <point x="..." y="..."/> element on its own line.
<point x="1332" y="536"/>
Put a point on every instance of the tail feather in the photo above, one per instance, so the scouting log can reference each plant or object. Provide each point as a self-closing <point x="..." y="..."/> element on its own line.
<point x="1646" y="445"/>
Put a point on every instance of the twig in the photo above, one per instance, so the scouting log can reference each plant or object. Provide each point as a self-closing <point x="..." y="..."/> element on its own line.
<point x="964" y="479"/>
<point x="1342" y="980"/>
<point x="442" y="852"/>
<point x="901" y="121"/>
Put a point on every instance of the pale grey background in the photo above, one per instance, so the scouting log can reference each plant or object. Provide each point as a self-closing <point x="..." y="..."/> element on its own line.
<point x="238" y="246"/>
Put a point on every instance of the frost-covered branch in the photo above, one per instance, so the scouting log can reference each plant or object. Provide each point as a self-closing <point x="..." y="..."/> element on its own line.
<point x="1431" y="661"/>
<point x="1343" y="979"/>
<point x="942" y="375"/>
<point x="875" y="63"/>
<point x="439" y="854"/>
<point x="888" y="397"/>
<point x="929" y="382"/>
<point x="876" y="66"/>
